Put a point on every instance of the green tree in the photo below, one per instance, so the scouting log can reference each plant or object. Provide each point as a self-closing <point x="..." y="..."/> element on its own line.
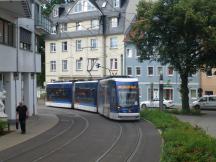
<point x="181" y="33"/>
<point x="49" y="6"/>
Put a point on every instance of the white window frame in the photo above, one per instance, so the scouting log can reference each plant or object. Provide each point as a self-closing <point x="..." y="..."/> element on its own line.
<point x="149" y="71"/>
<point x="52" y="47"/>
<point x="63" y="27"/>
<point x="114" y="22"/>
<point x="131" y="70"/>
<point x="104" y="4"/>
<point x="168" y="71"/>
<point x="139" y="70"/>
<point x="114" y="64"/>
<point x="78" y="26"/>
<point x="94" y="44"/>
<point x="52" y="66"/>
<point x="64" y="45"/>
<point x="79" y="65"/>
<point x="95" y="24"/>
<point x="149" y="95"/>
<point x="158" y="73"/>
<point x="53" y="30"/>
<point x="92" y="64"/>
<point x="116" y="3"/>
<point x="113" y="42"/>
<point x="129" y="52"/>
<point x="172" y="92"/>
<point x="64" y="65"/>
<point x="78" y="45"/>
<point x="55" y="12"/>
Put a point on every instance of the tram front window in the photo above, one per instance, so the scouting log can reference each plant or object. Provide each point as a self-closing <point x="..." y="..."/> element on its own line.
<point x="128" y="97"/>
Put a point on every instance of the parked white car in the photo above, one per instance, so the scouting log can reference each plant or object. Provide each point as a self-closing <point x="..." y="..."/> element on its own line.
<point x="155" y="104"/>
<point x="205" y="102"/>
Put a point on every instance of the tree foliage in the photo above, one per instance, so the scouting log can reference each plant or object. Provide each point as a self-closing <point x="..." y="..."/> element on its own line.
<point x="181" y="33"/>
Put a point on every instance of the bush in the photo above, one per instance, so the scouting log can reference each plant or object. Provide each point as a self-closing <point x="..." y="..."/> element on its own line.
<point x="182" y="142"/>
<point x="3" y="125"/>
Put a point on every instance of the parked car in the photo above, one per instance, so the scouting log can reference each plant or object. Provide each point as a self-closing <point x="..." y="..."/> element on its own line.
<point x="155" y="104"/>
<point x="205" y="102"/>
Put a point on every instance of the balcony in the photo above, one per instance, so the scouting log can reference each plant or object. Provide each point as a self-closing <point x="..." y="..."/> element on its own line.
<point x="16" y="8"/>
<point x="42" y="24"/>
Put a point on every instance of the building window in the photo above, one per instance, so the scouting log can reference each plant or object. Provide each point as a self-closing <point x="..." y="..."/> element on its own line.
<point x="168" y="94"/>
<point x="78" y="26"/>
<point x="53" y="30"/>
<point x="129" y="53"/>
<point x="55" y="12"/>
<point x="93" y="43"/>
<point x="150" y="71"/>
<point x="137" y="53"/>
<point x="153" y="93"/>
<point x="138" y="71"/>
<point x="64" y="65"/>
<point x="78" y="7"/>
<point x="114" y="22"/>
<point x="6" y="33"/>
<point x="113" y="42"/>
<point x="95" y="24"/>
<point x="104" y="4"/>
<point x="25" y="39"/>
<point x="52" y="66"/>
<point x="113" y="64"/>
<point x="209" y="72"/>
<point x="78" y="45"/>
<point x="78" y="64"/>
<point x="129" y="70"/>
<point x="170" y="71"/>
<point x="159" y="70"/>
<point x="64" y="46"/>
<point x="52" y="47"/>
<point x="63" y="27"/>
<point x="193" y="93"/>
<point x="208" y="92"/>
<point x="116" y="3"/>
<point x="91" y="64"/>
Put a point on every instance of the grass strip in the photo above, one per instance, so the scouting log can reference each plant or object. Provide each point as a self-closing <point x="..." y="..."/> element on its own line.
<point x="182" y="142"/>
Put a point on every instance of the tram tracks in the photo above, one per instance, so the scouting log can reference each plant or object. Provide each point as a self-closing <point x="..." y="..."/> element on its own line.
<point x="35" y="151"/>
<point x="130" y="158"/>
<point x="40" y="144"/>
<point x="115" y="144"/>
<point x="66" y="143"/>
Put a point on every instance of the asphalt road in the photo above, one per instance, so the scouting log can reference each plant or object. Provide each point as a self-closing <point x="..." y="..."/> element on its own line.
<point x="87" y="137"/>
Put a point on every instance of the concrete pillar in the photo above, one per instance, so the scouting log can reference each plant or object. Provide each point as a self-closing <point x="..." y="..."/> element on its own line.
<point x="12" y="86"/>
<point x="30" y="98"/>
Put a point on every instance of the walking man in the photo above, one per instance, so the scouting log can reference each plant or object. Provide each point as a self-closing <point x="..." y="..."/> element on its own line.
<point x="22" y="115"/>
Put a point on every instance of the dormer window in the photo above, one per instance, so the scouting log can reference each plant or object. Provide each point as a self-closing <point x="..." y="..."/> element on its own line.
<point x="83" y="6"/>
<point x="55" y="12"/>
<point x="104" y="4"/>
<point x="116" y="3"/>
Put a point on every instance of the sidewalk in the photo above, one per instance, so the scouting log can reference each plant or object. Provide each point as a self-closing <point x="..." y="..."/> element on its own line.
<point x="206" y="122"/>
<point x="35" y="126"/>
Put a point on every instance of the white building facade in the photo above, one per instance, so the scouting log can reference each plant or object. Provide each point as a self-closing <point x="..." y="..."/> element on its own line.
<point x="87" y="34"/>
<point x="20" y="60"/>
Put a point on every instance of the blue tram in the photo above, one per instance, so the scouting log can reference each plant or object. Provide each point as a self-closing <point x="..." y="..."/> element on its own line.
<point x="59" y="94"/>
<point x="114" y="97"/>
<point x="85" y="97"/>
<point x="118" y="98"/>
